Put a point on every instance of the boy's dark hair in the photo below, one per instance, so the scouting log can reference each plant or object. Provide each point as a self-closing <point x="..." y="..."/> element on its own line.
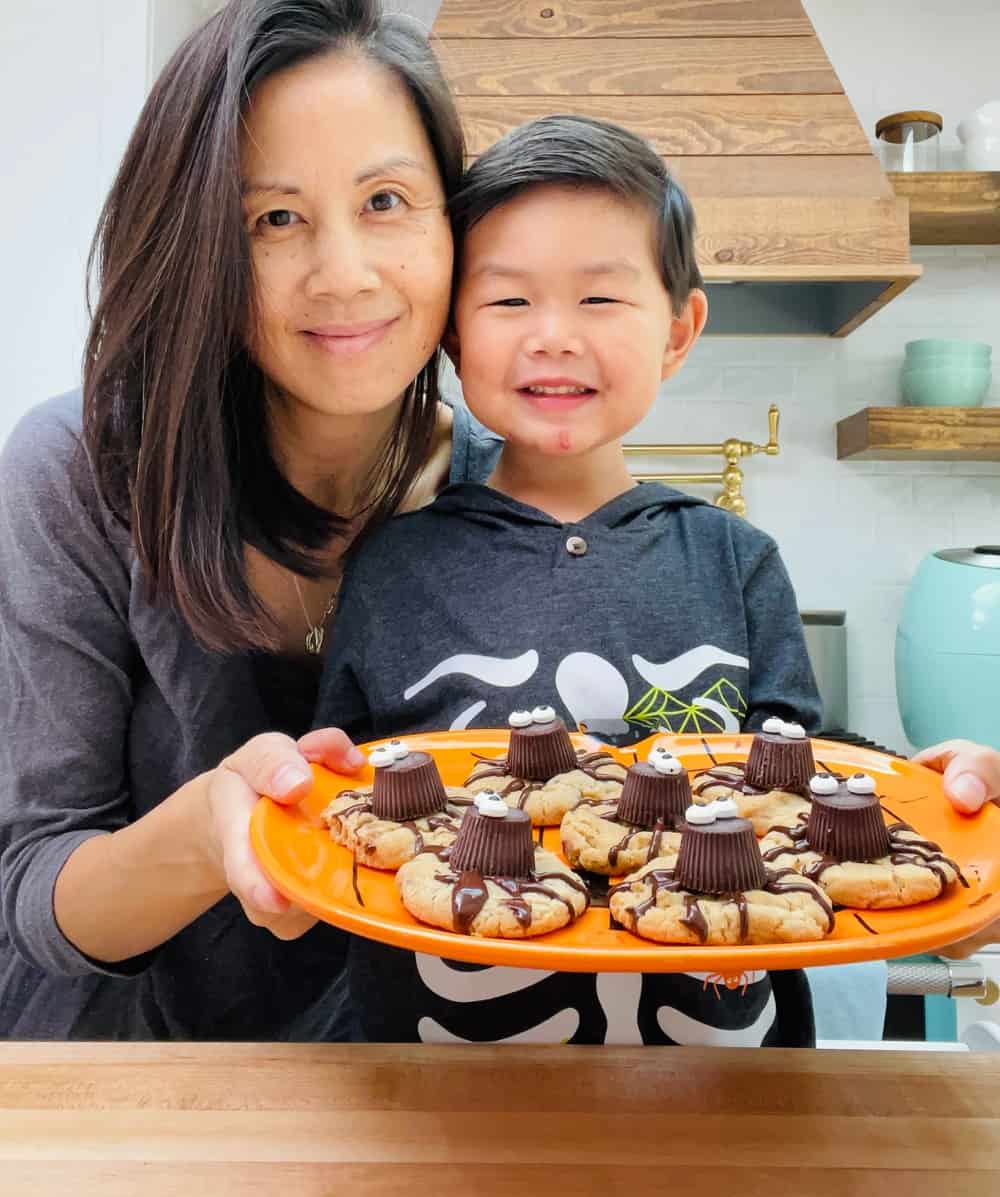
<point x="577" y="151"/>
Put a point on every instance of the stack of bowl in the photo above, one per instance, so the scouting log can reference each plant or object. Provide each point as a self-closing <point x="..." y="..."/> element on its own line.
<point x="939" y="372"/>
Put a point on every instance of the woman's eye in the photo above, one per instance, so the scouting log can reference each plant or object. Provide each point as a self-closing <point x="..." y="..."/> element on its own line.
<point x="384" y="201"/>
<point x="278" y="218"/>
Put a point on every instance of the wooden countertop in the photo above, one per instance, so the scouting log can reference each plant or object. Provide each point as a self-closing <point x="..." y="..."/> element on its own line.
<point x="210" y="1120"/>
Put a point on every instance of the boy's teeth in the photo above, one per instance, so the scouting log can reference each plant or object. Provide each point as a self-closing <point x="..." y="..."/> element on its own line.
<point x="558" y="390"/>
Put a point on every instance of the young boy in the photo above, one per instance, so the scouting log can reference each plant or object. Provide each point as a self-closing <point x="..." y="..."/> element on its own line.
<point x="626" y="607"/>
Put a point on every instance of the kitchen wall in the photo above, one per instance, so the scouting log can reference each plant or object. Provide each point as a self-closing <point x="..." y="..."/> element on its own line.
<point x="72" y="84"/>
<point x="75" y="73"/>
<point x="851" y="533"/>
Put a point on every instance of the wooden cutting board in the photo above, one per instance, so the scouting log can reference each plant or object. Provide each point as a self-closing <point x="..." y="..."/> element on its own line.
<point x="145" y="1120"/>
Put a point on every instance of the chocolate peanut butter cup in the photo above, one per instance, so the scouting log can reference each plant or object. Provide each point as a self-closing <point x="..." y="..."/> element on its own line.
<point x="845" y="821"/>
<point x="654" y="790"/>
<point x="718" y="852"/>
<point x="492" y="842"/>
<point x="407" y="784"/>
<point x="781" y="758"/>
<point x="540" y="747"/>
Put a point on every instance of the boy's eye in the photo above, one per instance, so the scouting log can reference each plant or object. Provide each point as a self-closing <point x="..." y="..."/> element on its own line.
<point x="598" y="299"/>
<point x="384" y="201"/>
<point x="279" y="218"/>
<point x="509" y="303"/>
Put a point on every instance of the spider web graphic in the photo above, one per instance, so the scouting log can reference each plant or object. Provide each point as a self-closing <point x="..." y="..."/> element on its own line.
<point x="660" y="709"/>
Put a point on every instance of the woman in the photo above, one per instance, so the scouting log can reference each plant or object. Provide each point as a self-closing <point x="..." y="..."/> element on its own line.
<point x="259" y="388"/>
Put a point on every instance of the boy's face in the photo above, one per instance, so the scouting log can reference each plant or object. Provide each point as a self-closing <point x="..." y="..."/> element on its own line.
<point x="563" y="329"/>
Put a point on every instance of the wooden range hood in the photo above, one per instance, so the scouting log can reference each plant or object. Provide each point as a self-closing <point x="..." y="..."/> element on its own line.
<point x="799" y="231"/>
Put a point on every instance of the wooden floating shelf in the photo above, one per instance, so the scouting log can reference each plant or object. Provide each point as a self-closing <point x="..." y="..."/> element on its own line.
<point x="955" y="207"/>
<point x="921" y="434"/>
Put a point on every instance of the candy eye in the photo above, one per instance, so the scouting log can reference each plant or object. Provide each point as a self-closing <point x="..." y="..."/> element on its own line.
<point x="861" y="783"/>
<point x="381" y="756"/>
<point x="824" y="783"/>
<point x="793" y="731"/>
<point x="700" y="816"/>
<point x="726" y="808"/>
<point x="773" y="726"/>
<point x="398" y="749"/>
<point x="543" y="715"/>
<point x="519" y="718"/>
<point x="490" y="804"/>
<point x="665" y="762"/>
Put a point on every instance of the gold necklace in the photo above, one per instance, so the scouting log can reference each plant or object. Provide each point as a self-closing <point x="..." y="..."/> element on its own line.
<point x="316" y="632"/>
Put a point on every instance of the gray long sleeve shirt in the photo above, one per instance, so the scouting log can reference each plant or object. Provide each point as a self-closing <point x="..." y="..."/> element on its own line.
<point x="657" y="610"/>
<point x="108" y="705"/>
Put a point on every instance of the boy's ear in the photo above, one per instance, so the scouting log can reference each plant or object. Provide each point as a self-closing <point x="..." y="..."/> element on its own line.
<point x="685" y="329"/>
<point x="449" y="343"/>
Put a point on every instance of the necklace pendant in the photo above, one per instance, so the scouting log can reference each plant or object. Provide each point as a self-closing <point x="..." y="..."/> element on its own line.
<point x="314" y="641"/>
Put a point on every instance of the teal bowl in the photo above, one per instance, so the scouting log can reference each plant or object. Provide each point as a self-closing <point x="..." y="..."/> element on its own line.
<point x="945" y="386"/>
<point x="944" y="361"/>
<point x="971" y="352"/>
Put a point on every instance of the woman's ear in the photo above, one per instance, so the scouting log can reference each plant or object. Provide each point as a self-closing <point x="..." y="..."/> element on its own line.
<point x="685" y="329"/>
<point x="449" y="343"/>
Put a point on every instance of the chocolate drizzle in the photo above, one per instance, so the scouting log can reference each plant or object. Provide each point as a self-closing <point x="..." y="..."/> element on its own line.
<point x="434" y="822"/>
<point x="923" y="853"/>
<point x="469" y="892"/>
<point x="737" y="781"/>
<point x="693" y="916"/>
<point x="590" y="763"/>
<point x="654" y="843"/>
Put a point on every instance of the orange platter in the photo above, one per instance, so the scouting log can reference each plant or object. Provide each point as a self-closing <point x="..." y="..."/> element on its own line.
<point x="315" y="873"/>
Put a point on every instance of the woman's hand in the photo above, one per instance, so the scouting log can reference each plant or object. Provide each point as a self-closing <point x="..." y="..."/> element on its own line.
<point x="271" y="764"/>
<point x="971" y="779"/>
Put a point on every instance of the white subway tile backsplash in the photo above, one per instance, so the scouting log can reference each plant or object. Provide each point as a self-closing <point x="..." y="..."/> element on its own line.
<point x="853" y="532"/>
<point x="749" y="384"/>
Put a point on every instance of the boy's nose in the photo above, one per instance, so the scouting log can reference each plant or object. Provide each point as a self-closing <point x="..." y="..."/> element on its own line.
<point x="555" y="336"/>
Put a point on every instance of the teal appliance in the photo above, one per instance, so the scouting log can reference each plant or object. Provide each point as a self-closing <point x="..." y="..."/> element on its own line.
<point x="948" y="648"/>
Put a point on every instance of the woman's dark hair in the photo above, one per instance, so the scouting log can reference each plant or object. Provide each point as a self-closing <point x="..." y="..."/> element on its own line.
<point x="575" y="151"/>
<point x="174" y="405"/>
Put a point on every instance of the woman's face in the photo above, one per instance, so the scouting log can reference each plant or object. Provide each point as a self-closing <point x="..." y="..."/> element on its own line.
<point x="350" y="244"/>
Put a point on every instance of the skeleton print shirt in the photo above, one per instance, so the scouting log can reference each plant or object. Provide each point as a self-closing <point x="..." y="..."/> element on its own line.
<point x="655" y="611"/>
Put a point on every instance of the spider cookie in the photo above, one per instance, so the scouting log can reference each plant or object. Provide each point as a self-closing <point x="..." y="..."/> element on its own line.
<point x="406" y="810"/>
<point x="619" y="835"/>
<point x="846" y="848"/>
<point x="772" y="787"/>
<point x="493" y="880"/>
<point x="719" y="891"/>
<point x="543" y="773"/>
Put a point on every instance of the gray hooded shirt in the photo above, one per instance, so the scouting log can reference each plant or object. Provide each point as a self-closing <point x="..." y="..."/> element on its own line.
<point x="108" y="705"/>
<point x="655" y="611"/>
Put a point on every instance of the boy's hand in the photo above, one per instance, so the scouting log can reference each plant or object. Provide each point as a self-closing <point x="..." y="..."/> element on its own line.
<point x="971" y="772"/>
<point x="971" y="779"/>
